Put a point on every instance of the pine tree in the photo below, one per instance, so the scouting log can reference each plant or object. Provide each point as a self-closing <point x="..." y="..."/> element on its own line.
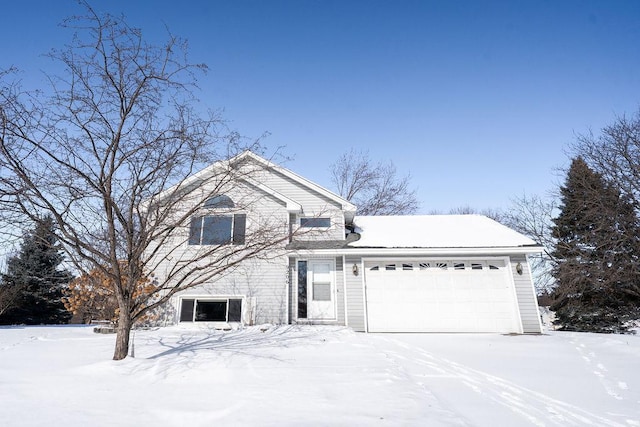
<point x="35" y="275"/>
<point x="597" y="251"/>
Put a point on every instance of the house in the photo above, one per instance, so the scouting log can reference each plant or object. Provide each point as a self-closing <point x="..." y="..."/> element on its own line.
<point x="431" y="273"/>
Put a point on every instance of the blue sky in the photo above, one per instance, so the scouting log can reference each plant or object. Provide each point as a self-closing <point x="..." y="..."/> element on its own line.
<point x="478" y="101"/>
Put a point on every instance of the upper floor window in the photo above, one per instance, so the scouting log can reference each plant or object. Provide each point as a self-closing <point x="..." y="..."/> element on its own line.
<point x="315" y="222"/>
<point x="218" y="230"/>
<point x="219" y="201"/>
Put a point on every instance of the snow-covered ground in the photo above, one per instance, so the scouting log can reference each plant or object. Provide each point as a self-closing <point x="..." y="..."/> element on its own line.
<point x="304" y="375"/>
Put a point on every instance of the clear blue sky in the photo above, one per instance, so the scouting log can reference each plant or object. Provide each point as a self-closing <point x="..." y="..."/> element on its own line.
<point x="476" y="100"/>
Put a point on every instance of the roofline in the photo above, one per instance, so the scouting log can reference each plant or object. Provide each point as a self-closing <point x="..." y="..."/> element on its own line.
<point x="292" y="206"/>
<point x="498" y="250"/>
<point x="346" y="205"/>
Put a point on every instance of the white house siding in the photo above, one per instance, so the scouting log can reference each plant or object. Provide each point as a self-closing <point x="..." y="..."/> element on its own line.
<point x="313" y="203"/>
<point x="527" y="301"/>
<point x="263" y="211"/>
<point x="355" y="315"/>
<point x="262" y="283"/>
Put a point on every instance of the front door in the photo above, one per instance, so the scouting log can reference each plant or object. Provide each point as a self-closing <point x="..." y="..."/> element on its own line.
<point x="321" y="290"/>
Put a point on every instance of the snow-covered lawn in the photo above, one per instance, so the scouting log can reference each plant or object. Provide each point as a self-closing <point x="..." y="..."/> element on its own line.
<point x="305" y="375"/>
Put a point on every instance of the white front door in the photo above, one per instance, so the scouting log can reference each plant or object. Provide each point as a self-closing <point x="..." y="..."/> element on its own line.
<point x="321" y="304"/>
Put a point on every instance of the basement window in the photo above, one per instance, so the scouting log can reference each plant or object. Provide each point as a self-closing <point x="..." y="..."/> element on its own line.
<point x="211" y="310"/>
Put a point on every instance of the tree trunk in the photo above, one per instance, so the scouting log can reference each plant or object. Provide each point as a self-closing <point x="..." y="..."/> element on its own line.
<point x="122" y="335"/>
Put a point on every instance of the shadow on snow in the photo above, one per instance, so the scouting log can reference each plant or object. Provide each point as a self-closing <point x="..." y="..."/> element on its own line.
<point x="247" y="341"/>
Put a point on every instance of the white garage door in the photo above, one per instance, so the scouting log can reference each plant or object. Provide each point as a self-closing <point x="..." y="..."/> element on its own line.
<point x="440" y="296"/>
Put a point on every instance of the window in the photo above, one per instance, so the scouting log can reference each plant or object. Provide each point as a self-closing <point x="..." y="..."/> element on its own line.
<point x="218" y="230"/>
<point x="211" y="310"/>
<point x="186" y="312"/>
<point x="220" y="201"/>
<point x="458" y="266"/>
<point x="322" y="291"/>
<point x="476" y="266"/>
<point x="315" y="222"/>
<point x="390" y="267"/>
<point x="302" y="289"/>
<point x="235" y="310"/>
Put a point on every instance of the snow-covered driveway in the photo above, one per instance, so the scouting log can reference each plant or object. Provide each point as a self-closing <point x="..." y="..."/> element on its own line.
<point x="295" y="375"/>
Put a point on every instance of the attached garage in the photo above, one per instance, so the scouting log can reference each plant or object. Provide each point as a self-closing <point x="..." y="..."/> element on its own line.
<point x="440" y="295"/>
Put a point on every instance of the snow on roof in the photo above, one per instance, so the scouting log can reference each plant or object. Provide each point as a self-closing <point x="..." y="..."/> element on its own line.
<point x="435" y="231"/>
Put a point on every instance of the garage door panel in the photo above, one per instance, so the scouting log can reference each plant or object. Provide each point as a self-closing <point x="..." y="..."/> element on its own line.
<point x="426" y="297"/>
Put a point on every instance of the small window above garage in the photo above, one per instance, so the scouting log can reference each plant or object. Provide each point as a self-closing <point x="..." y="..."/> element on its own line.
<point x="315" y="222"/>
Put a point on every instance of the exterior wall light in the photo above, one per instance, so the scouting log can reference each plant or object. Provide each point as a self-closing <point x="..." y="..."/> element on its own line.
<point x="519" y="268"/>
<point x="354" y="269"/>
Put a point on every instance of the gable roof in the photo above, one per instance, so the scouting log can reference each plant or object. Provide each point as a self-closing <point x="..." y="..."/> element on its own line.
<point x="436" y="231"/>
<point x="344" y="203"/>
<point x="202" y="175"/>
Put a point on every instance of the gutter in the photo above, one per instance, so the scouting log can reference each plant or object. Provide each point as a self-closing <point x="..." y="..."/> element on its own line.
<point x="500" y="250"/>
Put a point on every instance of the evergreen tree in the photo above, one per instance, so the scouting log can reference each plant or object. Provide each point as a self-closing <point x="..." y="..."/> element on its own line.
<point x="597" y="250"/>
<point x="35" y="275"/>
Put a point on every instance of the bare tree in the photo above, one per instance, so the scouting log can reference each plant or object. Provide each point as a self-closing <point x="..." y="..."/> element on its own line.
<point x="533" y="217"/>
<point x="374" y="187"/>
<point x="615" y="153"/>
<point x="494" y="214"/>
<point x="107" y="151"/>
